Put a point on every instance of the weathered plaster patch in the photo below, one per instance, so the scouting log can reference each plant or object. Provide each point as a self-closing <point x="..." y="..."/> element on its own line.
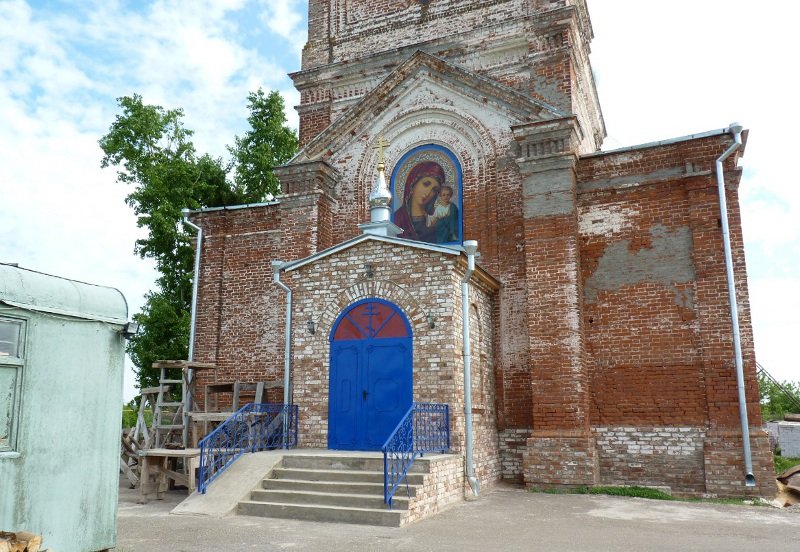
<point x="668" y="261"/>
<point x="684" y="298"/>
<point x="605" y="220"/>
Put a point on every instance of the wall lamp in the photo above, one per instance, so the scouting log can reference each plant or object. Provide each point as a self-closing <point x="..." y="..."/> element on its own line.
<point x="370" y="271"/>
<point x="130" y="329"/>
<point x="431" y="323"/>
<point x="312" y="329"/>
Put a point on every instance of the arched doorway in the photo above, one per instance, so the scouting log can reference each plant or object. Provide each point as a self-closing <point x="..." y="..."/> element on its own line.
<point x="371" y="374"/>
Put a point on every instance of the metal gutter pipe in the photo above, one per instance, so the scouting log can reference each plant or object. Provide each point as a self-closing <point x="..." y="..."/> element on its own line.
<point x="470" y="248"/>
<point x="736" y="130"/>
<point x="287" y="352"/>
<point x="187" y="394"/>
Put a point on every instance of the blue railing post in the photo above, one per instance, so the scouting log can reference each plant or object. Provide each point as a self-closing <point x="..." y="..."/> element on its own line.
<point x="447" y="417"/>
<point x="424" y="428"/>
<point x="386" y="498"/>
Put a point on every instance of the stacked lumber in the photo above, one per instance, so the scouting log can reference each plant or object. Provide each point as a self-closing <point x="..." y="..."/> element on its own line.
<point x="129" y="459"/>
<point x="20" y="541"/>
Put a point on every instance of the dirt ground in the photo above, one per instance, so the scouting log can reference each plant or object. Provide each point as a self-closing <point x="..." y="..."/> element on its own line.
<point x="504" y="518"/>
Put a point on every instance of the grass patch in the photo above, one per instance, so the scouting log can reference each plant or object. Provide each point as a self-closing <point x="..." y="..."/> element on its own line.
<point x="635" y="492"/>
<point x="129" y="417"/>
<point x="729" y="501"/>
<point x="783" y="463"/>
<point x="646" y="492"/>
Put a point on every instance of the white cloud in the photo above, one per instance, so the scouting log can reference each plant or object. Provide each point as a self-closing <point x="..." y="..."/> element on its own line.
<point x="284" y="18"/>
<point x="671" y="69"/>
<point x="777" y="326"/>
<point x="61" y="72"/>
<point x="663" y="70"/>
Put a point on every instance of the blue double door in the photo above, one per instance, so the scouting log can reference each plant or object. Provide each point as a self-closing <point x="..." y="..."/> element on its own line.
<point x="370" y="387"/>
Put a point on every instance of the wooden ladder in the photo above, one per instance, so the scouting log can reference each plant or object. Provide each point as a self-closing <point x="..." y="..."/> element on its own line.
<point x="170" y="415"/>
<point x="168" y="422"/>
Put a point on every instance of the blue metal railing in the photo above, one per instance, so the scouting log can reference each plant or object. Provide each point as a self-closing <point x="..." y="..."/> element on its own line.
<point x="424" y="428"/>
<point x="255" y="427"/>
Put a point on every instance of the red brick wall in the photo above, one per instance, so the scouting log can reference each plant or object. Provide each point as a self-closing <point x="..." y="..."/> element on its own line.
<point x="658" y="314"/>
<point x="658" y="331"/>
<point x="240" y="311"/>
<point x="237" y="311"/>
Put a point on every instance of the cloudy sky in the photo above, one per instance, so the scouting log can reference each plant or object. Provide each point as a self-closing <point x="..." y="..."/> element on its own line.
<point x="663" y="70"/>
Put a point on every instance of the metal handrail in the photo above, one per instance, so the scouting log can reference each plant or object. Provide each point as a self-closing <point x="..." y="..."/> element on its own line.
<point x="424" y="428"/>
<point x="788" y="394"/>
<point x="255" y="427"/>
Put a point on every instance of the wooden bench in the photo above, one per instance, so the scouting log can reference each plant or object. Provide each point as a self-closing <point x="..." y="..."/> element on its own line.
<point x="160" y="462"/>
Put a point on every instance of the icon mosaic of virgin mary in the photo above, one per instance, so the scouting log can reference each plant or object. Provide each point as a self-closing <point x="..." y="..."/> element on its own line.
<point x="426" y="195"/>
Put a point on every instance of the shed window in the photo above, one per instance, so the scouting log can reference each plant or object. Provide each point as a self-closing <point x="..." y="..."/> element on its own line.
<point x="9" y="338"/>
<point x="11" y="363"/>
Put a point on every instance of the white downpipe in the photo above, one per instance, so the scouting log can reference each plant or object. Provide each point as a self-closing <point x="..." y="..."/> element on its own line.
<point x="736" y="129"/>
<point x="187" y="393"/>
<point x="470" y="247"/>
<point x="287" y="354"/>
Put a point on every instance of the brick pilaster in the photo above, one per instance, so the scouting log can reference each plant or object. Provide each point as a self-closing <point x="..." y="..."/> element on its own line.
<point x="561" y="449"/>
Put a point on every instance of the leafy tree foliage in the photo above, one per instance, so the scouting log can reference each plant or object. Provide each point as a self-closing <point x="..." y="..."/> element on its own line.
<point x="268" y="143"/>
<point x="778" y="398"/>
<point x="153" y="152"/>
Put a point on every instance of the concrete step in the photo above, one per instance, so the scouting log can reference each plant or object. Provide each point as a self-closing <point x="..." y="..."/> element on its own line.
<point x="328" y="499"/>
<point x="345" y="487"/>
<point x="339" y="475"/>
<point x="348" y="463"/>
<point x="312" y="512"/>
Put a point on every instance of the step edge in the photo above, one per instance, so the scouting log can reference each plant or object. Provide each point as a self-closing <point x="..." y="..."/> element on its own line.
<point x="317" y="493"/>
<point x="397" y="513"/>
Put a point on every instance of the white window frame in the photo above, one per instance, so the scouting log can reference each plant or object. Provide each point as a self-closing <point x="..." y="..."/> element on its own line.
<point x="17" y="364"/>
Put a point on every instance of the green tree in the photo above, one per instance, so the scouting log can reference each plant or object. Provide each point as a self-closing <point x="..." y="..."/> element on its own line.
<point x="778" y="398"/>
<point x="267" y="144"/>
<point x="153" y="152"/>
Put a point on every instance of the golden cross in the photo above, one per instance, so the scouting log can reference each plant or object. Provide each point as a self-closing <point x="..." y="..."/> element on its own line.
<point x="380" y="145"/>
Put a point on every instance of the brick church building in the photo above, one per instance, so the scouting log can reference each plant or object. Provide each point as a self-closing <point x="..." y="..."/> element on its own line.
<point x="600" y="332"/>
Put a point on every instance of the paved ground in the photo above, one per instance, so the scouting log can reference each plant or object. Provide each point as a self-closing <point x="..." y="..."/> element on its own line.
<point x="505" y="518"/>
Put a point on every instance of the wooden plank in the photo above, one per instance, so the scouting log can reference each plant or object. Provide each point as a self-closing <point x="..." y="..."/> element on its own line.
<point x="211" y="416"/>
<point x="237" y="387"/>
<point x="128" y="472"/>
<point x="175" y="453"/>
<point x="184" y="364"/>
<point x="177" y="477"/>
<point x="144" y="481"/>
<point x="129" y="445"/>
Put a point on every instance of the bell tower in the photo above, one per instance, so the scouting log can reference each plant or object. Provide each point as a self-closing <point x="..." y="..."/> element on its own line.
<point x="537" y="47"/>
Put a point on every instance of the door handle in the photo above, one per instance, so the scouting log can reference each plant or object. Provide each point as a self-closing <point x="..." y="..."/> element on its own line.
<point x="364" y="394"/>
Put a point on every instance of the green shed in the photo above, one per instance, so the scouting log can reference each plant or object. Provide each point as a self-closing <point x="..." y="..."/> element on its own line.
<point x="61" y="366"/>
